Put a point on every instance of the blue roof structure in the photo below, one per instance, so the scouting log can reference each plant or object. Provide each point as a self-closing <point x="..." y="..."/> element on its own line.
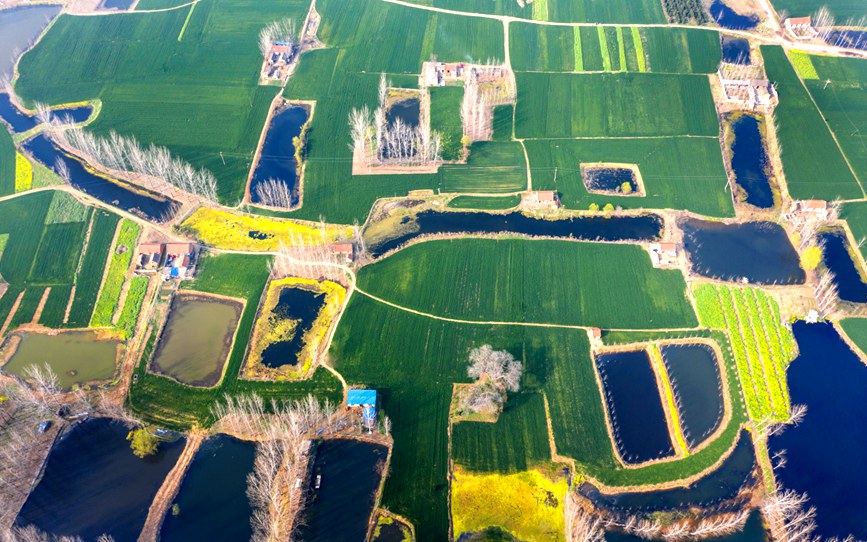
<point x="361" y="398"/>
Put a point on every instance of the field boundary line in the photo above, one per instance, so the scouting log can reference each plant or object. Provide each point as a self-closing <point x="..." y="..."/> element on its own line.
<point x="187" y="21"/>
<point x="133" y="11"/>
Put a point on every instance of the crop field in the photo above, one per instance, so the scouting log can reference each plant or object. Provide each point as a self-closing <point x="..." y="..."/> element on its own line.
<point x="516" y="442"/>
<point x="762" y="346"/>
<point x="678" y="172"/>
<point x="856" y="329"/>
<point x="566" y="11"/>
<point x="566" y="105"/>
<point x="55" y="307"/>
<point x="493" y="167"/>
<point x="680" y="50"/>
<point x="89" y="278"/>
<point x="843" y="103"/>
<point x="812" y="161"/>
<point x="175" y="405"/>
<point x="132" y="305"/>
<point x="121" y="259"/>
<point x="7" y="163"/>
<point x="27" y="308"/>
<point x="59" y="251"/>
<point x="445" y="118"/>
<point x="199" y="97"/>
<point x="498" y="203"/>
<point x="610" y="286"/>
<point x="855" y="214"/>
<point x="841" y="9"/>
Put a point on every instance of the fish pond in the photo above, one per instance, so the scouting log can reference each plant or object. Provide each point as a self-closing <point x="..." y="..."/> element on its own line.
<point x="298" y="305"/>
<point x="212" y="501"/>
<point x="20" y="121"/>
<point x="634" y="406"/>
<point x="348" y="474"/>
<point x="838" y="259"/>
<point x="752" y="252"/>
<point x="94" y="485"/>
<point x="408" y="111"/>
<point x="610" y="180"/>
<point x="726" y="17"/>
<point x="694" y="373"/>
<point x="749" y="162"/>
<point x="76" y="357"/>
<point x="195" y="342"/>
<point x="592" y="228"/>
<point x="276" y="163"/>
<point x="19" y="28"/>
<point x="722" y="486"/>
<point x="823" y="450"/>
<point x="155" y="208"/>
<point x="735" y="50"/>
<point x="121" y="5"/>
<point x="753" y="531"/>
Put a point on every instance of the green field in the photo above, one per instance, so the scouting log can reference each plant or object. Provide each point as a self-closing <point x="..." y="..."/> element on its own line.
<point x="841" y="94"/>
<point x="55" y="307"/>
<point x="492" y="167"/>
<point x="121" y="260"/>
<point x="89" y="278"/>
<point x="678" y="172"/>
<point x="856" y="329"/>
<point x="558" y="282"/>
<point x="172" y="404"/>
<point x="628" y="104"/>
<point x="199" y="97"/>
<point x="614" y="11"/>
<point x="445" y="118"/>
<point x="688" y="50"/>
<point x="484" y="203"/>
<point x="841" y="9"/>
<point x="517" y="441"/>
<point x="7" y="162"/>
<point x="812" y="161"/>
<point x="762" y="346"/>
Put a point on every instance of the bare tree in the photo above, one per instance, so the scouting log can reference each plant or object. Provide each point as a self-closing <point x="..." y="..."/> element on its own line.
<point x="787" y="519"/>
<point x="497" y="365"/>
<point x="274" y="193"/>
<point x="582" y="526"/>
<point x="278" y="31"/>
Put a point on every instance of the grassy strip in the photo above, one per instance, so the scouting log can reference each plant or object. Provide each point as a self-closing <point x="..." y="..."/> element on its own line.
<point x="89" y="277"/>
<point x="7" y="163"/>
<point x="639" y="49"/>
<point x="121" y="259"/>
<point x="603" y="46"/>
<point x="23" y="173"/>
<point x="621" y="48"/>
<point x="138" y="288"/>
<point x="184" y="28"/>
<point x="659" y="367"/>
<point x="485" y="203"/>
<point x="579" y="59"/>
<point x="540" y="10"/>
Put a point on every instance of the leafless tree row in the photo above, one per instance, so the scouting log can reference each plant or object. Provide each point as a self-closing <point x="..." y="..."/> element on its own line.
<point x="32" y="534"/>
<point x="122" y="153"/>
<point x="787" y="518"/>
<point x="582" y="526"/>
<point x="397" y="143"/>
<point x="718" y="525"/>
<point x="485" y="86"/>
<point x="826" y="293"/>
<point x="274" y="193"/>
<point x="283" y="31"/>
<point x="311" y="262"/>
<point x="282" y="428"/>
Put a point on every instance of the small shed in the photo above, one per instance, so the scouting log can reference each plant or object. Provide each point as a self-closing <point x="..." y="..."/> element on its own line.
<point x="365" y="400"/>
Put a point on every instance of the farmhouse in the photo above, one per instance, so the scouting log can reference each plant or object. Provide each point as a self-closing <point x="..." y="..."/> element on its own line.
<point x="179" y="260"/>
<point x="345" y="251"/>
<point x="148" y="257"/>
<point x="540" y="199"/>
<point x="278" y="60"/>
<point x="810" y="208"/>
<point x="363" y="403"/>
<point x="663" y="254"/>
<point x="801" y="28"/>
<point x="745" y="87"/>
<point x="437" y="74"/>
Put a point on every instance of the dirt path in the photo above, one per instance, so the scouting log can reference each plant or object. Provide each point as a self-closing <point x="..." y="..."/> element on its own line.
<point x="41" y="307"/>
<point x="12" y="312"/>
<point x="169" y="489"/>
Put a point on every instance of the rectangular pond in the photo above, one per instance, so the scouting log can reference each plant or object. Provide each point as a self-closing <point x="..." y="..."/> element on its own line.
<point x="838" y="260"/>
<point x="349" y="473"/>
<point x="634" y="406"/>
<point x="749" y="162"/>
<point x="298" y="308"/>
<point x="212" y="501"/>
<point x="94" y="485"/>
<point x="407" y="111"/>
<point x="694" y="373"/>
<point x="76" y="357"/>
<point x="824" y="451"/>
<point x="619" y="181"/>
<point x="735" y="50"/>
<point x="195" y="341"/>
<point x="752" y="252"/>
<point x="275" y="176"/>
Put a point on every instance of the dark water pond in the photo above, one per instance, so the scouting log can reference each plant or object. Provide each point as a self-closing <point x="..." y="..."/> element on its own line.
<point x="825" y="451"/>
<point x="632" y="396"/>
<point x="20" y="121"/>
<point x="212" y="500"/>
<point x="721" y="486"/>
<point x="393" y="532"/>
<point x="596" y="228"/>
<point x="846" y="276"/>
<point x="408" y="111"/>
<point x="735" y="50"/>
<point x="695" y="380"/>
<point x="157" y="210"/>
<point x="759" y="252"/>
<point x="753" y="531"/>
<point x="19" y="28"/>
<point x="853" y="39"/>
<point x="726" y="17"/>
<point x="93" y="484"/>
<point x="294" y="304"/>
<point x="116" y="4"/>
<point x="277" y="158"/>
<point x="750" y="162"/>
<point x="350" y="472"/>
<point x="610" y="179"/>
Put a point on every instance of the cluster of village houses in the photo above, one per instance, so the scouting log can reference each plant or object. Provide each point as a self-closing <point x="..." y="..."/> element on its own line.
<point x="437" y="74"/>
<point x="173" y="260"/>
<point x="279" y="59"/>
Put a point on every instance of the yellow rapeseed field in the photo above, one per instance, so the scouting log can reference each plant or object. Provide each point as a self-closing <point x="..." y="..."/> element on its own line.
<point x="236" y="231"/>
<point x="528" y="504"/>
<point x="23" y="173"/>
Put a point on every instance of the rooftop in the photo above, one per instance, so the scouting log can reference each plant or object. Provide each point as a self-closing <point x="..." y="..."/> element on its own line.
<point x="361" y="398"/>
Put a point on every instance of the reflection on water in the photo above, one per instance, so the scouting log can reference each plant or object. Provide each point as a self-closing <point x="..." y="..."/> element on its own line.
<point x="277" y="157"/>
<point x="19" y="28"/>
<point x="726" y="17"/>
